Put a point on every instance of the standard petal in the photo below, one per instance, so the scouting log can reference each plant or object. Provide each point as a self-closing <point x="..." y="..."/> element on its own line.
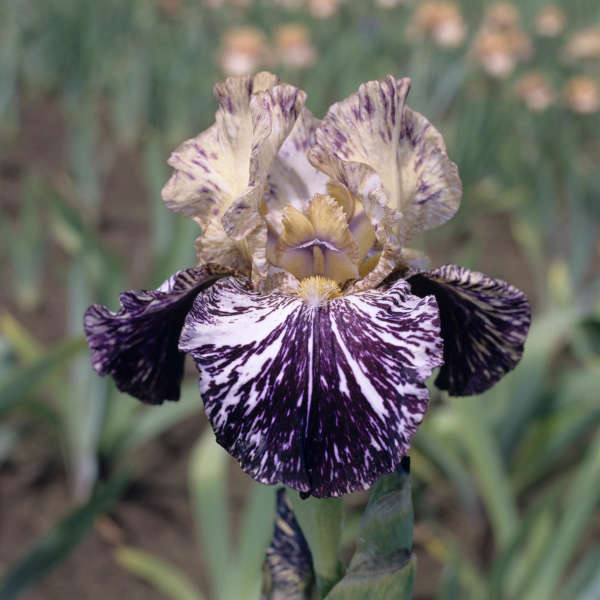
<point x="288" y="559"/>
<point x="484" y="325"/>
<point x="231" y="159"/>
<point x="324" y="399"/>
<point x="374" y="128"/>
<point x="292" y="179"/>
<point x="138" y="344"/>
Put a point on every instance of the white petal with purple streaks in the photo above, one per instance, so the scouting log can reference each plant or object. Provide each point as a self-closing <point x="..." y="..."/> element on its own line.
<point x="324" y="399"/>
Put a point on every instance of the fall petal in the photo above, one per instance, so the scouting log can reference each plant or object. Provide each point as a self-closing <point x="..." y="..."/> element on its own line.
<point x="322" y="399"/>
<point x="138" y="344"/>
<point x="484" y="325"/>
<point x="288" y="559"/>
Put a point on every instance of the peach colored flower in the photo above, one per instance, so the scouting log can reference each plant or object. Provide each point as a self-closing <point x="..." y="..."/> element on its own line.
<point x="442" y="21"/>
<point x="550" y="21"/>
<point x="583" y="44"/>
<point x="293" y="46"/>
<point x="582" y="95"/>
<point x="243" y="51"/>
<point x="535" y="91"/>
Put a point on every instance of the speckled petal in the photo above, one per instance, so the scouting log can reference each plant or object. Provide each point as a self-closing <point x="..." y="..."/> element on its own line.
<point x="374" y="128"/>
<point x="292" y="179"/>
<point x="288" y="559"/>
<point x="231" y="159"/>
<point x="216" y="247"/>
<point x="138" y="344"/>
<point x="324" y="399"/>
<point x="278" y="111"/>
<point x="484" y="325"/>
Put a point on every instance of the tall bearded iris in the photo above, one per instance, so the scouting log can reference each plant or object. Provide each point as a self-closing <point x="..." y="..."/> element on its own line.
<point x="312" y="324"/>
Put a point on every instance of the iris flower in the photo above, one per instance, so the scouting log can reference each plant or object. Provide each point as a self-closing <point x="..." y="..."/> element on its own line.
<point x="312" y="323"/>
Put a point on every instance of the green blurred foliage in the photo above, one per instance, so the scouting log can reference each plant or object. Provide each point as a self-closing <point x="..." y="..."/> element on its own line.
<point x="135" y="78"/>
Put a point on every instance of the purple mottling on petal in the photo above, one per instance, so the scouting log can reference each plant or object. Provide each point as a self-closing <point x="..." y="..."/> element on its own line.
<point x="288" y="559"/>
<point x="484" y="325"/>
<point x="138" y="344"/>
<point x="322" y="399"/>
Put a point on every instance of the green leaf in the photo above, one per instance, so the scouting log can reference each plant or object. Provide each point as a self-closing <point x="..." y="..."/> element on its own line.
<point x="320" y="520"/>
<point x="56" y="545"/>
<point x="208" y="474"/>
<point x="584" y="583"/>
<point x="153" y="421"/>
<point x="254" y="538"/>
<point x="15" y="387"/>
<point x="160" y="574"/>
<point x="579" y="505"/>
<point x="512" y="567"/>
<point x="486" y="461"/>
<point x="383" y="565"/>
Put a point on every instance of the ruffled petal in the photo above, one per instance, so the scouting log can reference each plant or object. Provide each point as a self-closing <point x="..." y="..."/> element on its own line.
<point x="274" y="112"/>
<point x="289" y="559"/>
<point x="292" y="179"/>
<point x="484" y="325"/>
<point x="231" y="159"/>
<point x="324" y="399"/>
<point x="374" y="128"/>
<point x="215" y="246"/>
<point x="318" y="242"/>
<point x="138" y="344"/>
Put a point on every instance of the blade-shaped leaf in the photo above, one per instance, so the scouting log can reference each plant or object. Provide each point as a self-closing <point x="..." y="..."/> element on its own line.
<point x="56" y="545"/>
<point x="158" y="573"/>
<point x="208" y="468"/>
<point x="383" y="565"/>
<point x="15" y="386"/>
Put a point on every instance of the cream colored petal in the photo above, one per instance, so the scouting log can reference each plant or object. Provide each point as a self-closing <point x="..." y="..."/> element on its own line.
<point x="374" y="128"/>
<point x="363" y="233"/>
<point x="216" y="247"/>
<point x="231" y="159"/>
<point x="389" y="260"/>
<point x="292" y="179"/>
<point x="274" y="113"/>
<point x="330" y="224"/>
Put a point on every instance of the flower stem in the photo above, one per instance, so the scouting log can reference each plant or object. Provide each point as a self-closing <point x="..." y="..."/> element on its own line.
<point x="321" y="522"/>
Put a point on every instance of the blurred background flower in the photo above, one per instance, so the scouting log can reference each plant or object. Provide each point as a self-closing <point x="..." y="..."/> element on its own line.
<point x="583" y="44"/>
<point x="93" y="98"/>
<point x="244" y="50"/>
<point x="441" y="21"/>
<point x="582" y="95"/>
<point x="550" y="21"/>
<point x="293" y="46"/>
<point x="535" y="90"/>
<point x="500" y="44"/>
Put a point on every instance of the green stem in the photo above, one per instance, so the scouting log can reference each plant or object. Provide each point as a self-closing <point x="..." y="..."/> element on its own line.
<point x="321" y="522"/>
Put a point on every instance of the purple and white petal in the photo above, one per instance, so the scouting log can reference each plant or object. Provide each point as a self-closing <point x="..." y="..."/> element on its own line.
<point x="375" y="128"/>
<point x="292" y="179"/>
<point x="484" y="325"/>
<point x="288" y="559"/>
<point x="138" y="344"/>
<point x="229" y="162"/>
<point x="324" y="399"/>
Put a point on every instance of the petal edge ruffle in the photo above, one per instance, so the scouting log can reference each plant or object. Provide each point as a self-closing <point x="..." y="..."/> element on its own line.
<point x="138" y="344"/>
<point x="484" y="324"/>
